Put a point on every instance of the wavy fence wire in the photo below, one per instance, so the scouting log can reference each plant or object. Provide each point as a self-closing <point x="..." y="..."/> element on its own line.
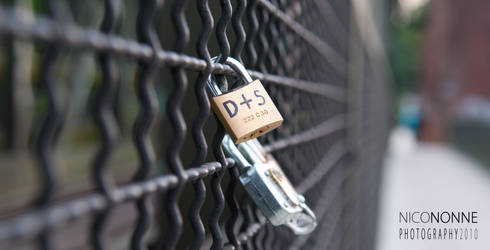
<point x="108" y="141"/>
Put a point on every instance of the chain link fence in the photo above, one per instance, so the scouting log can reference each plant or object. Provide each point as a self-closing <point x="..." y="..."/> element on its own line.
<point x="108" y="142"/>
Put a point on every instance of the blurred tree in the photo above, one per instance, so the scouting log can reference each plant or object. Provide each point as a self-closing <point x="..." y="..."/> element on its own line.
<point x="403" y="47"/>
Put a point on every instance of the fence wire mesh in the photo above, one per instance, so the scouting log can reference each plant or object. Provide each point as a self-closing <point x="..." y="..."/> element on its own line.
<point x="108" y="142"/>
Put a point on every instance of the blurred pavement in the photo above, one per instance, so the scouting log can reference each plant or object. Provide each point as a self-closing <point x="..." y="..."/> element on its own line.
<point x="431" y="177"/>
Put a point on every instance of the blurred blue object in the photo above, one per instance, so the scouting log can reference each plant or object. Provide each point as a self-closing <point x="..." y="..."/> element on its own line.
<point x="409" y="111"/>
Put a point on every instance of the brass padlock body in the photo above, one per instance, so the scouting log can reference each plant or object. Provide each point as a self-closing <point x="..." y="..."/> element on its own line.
<point x="247" y="112"/>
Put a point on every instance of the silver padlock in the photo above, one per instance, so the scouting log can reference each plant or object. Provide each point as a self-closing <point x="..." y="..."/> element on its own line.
<point x="269" y="187"/>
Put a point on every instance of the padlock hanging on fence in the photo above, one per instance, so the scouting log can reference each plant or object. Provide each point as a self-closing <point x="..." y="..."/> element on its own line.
<point x="260" y="174"/>
<point x="246" y="112"/>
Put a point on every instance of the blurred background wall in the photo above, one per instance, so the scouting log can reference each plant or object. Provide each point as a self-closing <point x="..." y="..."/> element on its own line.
<point x="439" y="51"/>
<point x="455" y="70"/>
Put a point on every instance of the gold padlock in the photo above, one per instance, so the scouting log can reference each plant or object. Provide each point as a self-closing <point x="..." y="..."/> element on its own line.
<point x="246" y="112"/>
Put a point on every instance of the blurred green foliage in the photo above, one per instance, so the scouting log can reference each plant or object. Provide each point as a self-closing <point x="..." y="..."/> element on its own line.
<point x="404" y="46"/>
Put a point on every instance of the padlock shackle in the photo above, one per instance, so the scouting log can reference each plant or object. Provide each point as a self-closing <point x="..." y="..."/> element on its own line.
<point x="236" y="66"/>
<point x="246" y="153"/>
<point x="305" y="222"/>
<point x="252" y="151"/>
<point x="239" y="69"/>
<point x="235" y="153"/>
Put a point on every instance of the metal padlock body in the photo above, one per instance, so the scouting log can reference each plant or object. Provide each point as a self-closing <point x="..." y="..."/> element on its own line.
<point x="247" y="112"/>
<point x="269" y="187"/>
<point x="272" y="192"/>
